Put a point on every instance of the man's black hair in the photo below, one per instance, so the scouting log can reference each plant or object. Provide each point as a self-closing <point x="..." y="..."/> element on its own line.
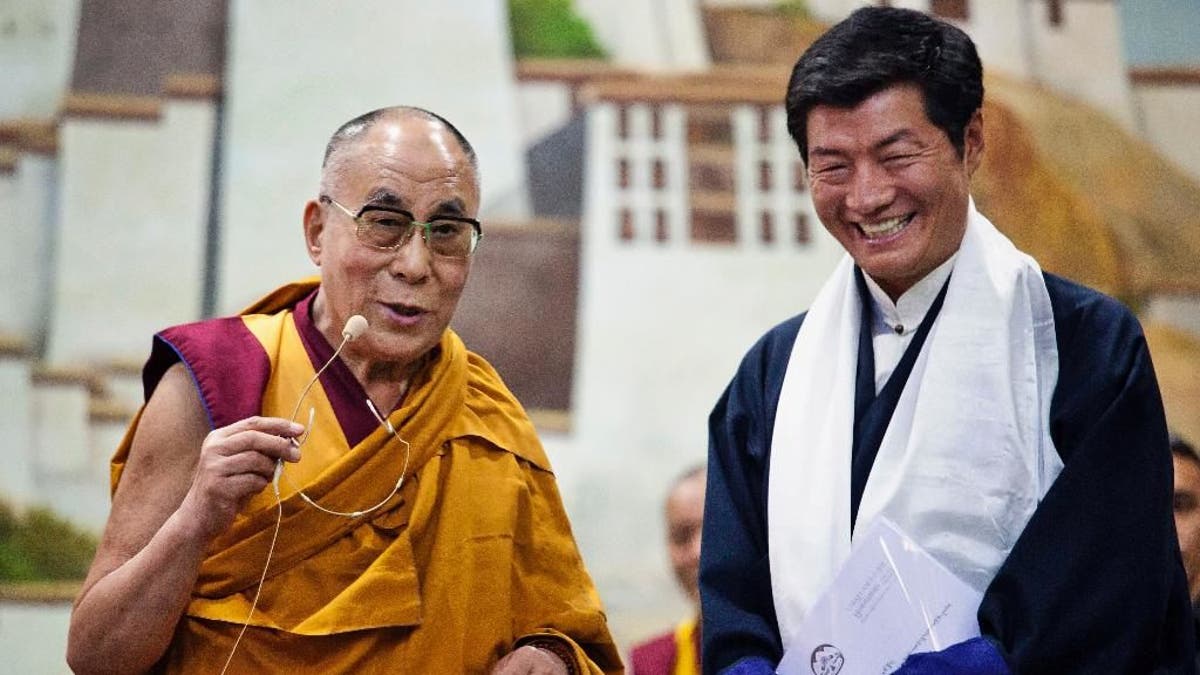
<point x="356" y="126"/>
<point x="876" y="47"/>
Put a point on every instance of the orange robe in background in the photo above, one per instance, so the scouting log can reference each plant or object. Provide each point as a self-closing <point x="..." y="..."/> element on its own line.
<point x="472" y="557"/>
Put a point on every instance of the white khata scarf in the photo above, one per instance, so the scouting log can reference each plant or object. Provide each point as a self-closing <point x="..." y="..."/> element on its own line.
<point x="967" y="455"/>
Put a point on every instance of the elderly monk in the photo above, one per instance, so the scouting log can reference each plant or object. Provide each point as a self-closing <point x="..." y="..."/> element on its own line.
<point x="1008" y="420"/>
<point x="399" y="492"/>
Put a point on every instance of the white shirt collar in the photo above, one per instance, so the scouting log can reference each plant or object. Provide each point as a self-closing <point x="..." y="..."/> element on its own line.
<point x="904" y="315"/>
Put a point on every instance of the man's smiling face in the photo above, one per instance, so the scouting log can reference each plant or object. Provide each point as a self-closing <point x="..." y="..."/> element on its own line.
<point x="889" y="185"/>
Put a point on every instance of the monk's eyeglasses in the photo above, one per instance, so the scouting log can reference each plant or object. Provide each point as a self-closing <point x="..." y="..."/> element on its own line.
<point x="389" y="228"/>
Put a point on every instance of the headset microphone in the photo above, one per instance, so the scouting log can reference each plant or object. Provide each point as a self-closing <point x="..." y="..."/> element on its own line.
<point x="355" y="327"/>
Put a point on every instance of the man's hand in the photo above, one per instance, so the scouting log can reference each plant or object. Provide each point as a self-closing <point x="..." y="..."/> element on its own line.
<point x="530" y="660"/>
<point x="236" y="463"/>
<point x="181" y="486"/>
<point x="976" y="656"/>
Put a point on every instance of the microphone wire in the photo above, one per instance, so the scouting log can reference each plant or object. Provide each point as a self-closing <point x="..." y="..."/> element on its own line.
<point x="347" y="336"/>
<point x="261" y="580"/>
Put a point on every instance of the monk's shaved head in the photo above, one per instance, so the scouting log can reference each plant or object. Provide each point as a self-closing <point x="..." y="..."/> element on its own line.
<point x="353" y="129"/>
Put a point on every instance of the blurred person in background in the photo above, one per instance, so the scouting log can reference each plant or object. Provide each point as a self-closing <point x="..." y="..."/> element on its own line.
<point x="1187" y="518"/>
<point x="677" y="652"/>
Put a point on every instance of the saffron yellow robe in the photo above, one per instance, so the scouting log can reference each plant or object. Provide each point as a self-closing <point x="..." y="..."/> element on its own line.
<point x="472" y="557"/>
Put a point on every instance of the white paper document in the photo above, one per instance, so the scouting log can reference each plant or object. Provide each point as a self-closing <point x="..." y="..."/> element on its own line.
<point x="889" y="599"/>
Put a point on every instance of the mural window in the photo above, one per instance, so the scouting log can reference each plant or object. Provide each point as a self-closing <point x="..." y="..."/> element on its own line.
<point x="626" y="225"/>
<point x="1054" y="12"/>
<point x="767" y="228"/>
<point x="802" y="234"/>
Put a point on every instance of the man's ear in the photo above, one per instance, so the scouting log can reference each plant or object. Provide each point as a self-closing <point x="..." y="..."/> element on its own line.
<point x="973" y="142"/>
<point x="314" y="227"/>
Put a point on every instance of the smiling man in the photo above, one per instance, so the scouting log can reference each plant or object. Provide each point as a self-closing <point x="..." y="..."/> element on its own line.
<point x="1006" y="419"/>
<point x="331" y="482"/>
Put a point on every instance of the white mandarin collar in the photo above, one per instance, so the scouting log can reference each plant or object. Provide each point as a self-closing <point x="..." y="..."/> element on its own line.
<point x="903" y="317"/>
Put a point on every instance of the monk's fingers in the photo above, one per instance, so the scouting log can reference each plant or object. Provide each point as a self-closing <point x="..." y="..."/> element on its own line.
<point x="213" y="475"/>
<point x="232" y="497"/>
<point x="274" y="426"/>
<point x="221" y="488"/>
<point x="246" y="485"/>
<point x="251" y="440"/>
<point x="246" y="462"/>
<point x="236" y="462"/>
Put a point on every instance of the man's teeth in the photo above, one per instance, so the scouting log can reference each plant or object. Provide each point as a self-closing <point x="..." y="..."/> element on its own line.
<point x="884" y="228"/>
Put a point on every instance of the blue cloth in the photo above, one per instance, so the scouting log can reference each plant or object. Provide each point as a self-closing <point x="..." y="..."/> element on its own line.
<point x="973" y="657"/>
<point x="751" y="665"/>
<point x="1094" y="584"/>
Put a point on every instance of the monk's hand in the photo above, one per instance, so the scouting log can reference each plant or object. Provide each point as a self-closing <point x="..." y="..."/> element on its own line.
<point x="237" y="462"/>
<point x="530" y="660"/>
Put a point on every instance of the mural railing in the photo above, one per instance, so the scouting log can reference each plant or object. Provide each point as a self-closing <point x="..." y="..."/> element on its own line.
<point x="695" y="159"/>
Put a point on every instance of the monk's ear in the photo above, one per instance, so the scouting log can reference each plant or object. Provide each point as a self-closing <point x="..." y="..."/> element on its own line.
<point x="973" y="142"/>
<point x="314" y="228"/>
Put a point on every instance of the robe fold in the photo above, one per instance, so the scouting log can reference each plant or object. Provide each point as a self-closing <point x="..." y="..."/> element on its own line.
<point x="1094" y="582"/>
<point x="471" y="557"/>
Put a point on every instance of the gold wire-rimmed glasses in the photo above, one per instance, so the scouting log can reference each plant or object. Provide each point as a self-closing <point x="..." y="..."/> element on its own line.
<point x="389" y="228"/>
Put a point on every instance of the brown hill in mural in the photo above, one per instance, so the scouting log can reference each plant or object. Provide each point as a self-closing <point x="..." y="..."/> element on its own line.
<point x="1041" y="211"/>
<point x="1085" y="197"/>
